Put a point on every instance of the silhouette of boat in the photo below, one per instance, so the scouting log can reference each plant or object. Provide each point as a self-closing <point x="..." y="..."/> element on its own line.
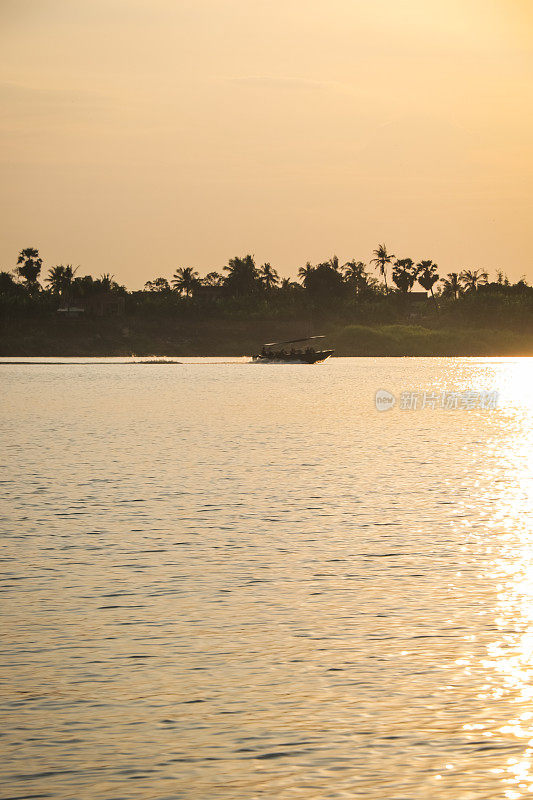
<point x="270" y="355"/>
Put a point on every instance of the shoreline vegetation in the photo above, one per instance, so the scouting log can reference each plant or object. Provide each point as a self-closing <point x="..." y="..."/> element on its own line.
<point x="364" y="310"/>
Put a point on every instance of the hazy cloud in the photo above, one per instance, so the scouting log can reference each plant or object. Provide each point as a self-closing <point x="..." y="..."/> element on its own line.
<point x="287" y="82"/>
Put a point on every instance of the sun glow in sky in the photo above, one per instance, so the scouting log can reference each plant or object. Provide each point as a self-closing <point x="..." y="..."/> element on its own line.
<point x="141" y="135"/>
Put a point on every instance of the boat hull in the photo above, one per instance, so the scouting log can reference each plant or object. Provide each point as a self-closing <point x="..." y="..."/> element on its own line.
<point x="302" y="358"/>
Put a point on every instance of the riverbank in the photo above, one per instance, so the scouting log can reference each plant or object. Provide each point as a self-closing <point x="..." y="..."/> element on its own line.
<point x="148" y="337"/>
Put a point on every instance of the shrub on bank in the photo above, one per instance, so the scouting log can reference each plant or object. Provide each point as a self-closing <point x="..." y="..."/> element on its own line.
<point x="415" y="340"/>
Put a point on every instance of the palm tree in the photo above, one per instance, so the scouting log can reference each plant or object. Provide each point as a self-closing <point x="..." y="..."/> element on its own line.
<point x="106" y="281"/>
<point x="268" y="276"/>
<point x="404" y="274"/>
<point x="60" y="278"/>
<point x="382" y="259"/>
<point x="472" y="278"/>
<point x="334" y="263"/>
<point x="184" y="280"/>
<point x="55" y="279"/>
<point x="428" y="276"/>
<point x="356" y="275"/>
<point x="243" y="276"/>
<point x="304" y="273"/>
<point x="452" y="285"/>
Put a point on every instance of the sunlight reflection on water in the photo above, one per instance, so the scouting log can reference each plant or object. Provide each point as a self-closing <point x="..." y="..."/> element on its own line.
<point x="510" y="655"/>
<point x="228" y="581"/>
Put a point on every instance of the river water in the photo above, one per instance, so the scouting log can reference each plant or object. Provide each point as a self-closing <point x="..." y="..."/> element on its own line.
<point x="236" y="581"/>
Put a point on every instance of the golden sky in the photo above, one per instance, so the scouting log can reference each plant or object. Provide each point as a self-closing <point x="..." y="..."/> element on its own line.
<point x="137" y="136"/>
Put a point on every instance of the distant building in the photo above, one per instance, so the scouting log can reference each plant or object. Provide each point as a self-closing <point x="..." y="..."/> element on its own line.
<point x="104" y="304"/>
<point x="70" y="311"/>
<point x="417" y="297"/>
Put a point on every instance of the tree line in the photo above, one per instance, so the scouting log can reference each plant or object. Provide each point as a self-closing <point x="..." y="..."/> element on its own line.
<point x="244" y="277"/>
<point x="241" y="278"/>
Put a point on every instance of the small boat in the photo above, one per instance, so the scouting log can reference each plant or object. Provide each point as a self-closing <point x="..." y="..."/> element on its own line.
<point x="271" y="355"/>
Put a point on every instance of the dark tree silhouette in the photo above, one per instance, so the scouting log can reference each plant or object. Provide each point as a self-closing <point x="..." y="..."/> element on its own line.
<point x="60" y="279"/>
<point x="7" y="284"/>
<point x="357" y="277"/>
<point x="268" y="276"/>
<point x="324" y="282"/>
<point x="502" y="279"/>
<point x="382" y="259"/>
<point x="84" y="286"/>
<point x="55" y="279"/>
<point x="185" y="279"/>
<point x="451" y="285"/>
<point x="29" y="265"/>
<point x="243" y="277"/>
<point x="157" y="285"/>
<point x="304" y="273"/>
<point x="428" y="276"/>
<point x="471" y="279"/>
<point x="404" y="274"/>
<point x="212" y="279"/>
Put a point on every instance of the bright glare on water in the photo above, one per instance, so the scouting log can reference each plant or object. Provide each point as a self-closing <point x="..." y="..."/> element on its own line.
<point x="236" y="581"/>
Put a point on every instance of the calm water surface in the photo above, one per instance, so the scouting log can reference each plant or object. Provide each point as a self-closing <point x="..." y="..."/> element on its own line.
<point x="235" y="581"/>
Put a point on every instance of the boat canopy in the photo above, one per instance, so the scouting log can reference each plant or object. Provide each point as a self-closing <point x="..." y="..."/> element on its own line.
<point x="293" y="341"/>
